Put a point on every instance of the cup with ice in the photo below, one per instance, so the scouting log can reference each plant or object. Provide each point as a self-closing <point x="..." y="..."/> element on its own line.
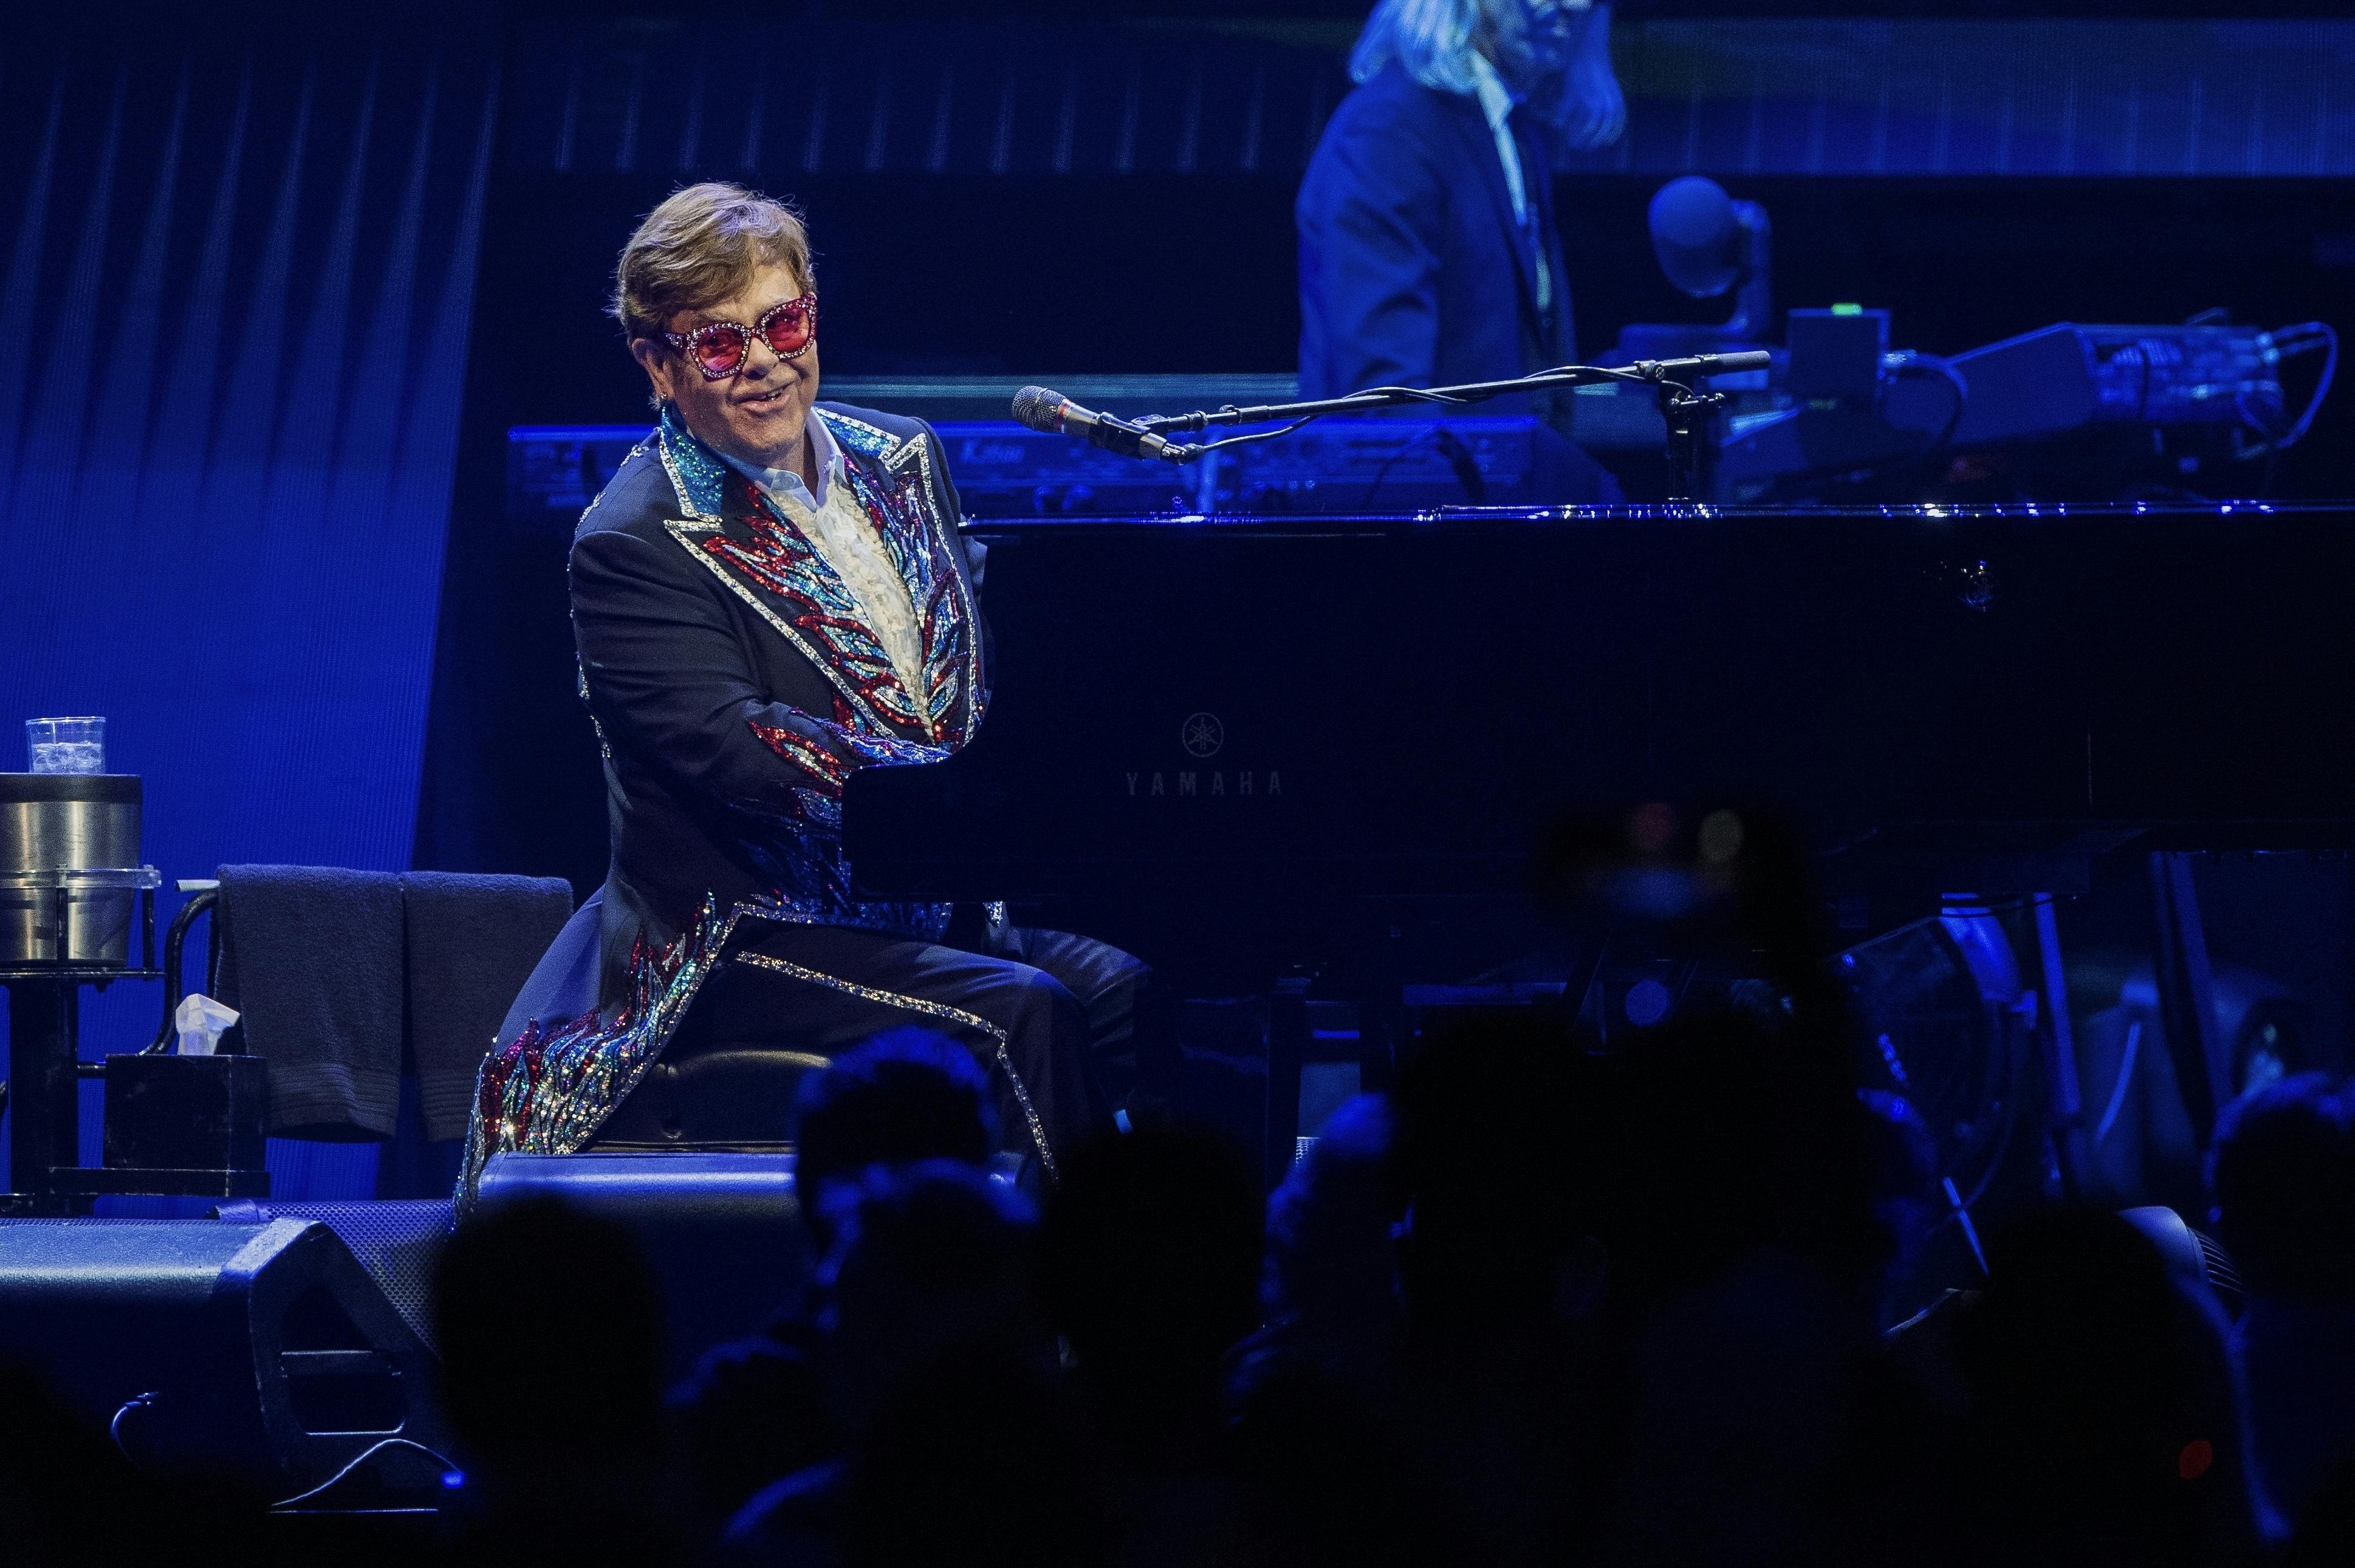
<point x="65" y="745"/>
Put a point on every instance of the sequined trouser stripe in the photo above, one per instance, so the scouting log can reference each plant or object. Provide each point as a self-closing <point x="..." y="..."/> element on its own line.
<point x="932" y="1010"/>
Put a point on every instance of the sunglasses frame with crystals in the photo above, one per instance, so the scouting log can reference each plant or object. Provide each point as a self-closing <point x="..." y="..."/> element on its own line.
<point x="687" y="342"/>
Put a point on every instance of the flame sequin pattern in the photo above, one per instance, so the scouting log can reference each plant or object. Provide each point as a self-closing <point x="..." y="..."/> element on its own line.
<point x="552" y="1088"/>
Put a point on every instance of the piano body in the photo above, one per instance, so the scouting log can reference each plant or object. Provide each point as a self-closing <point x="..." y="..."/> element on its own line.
<point x="1392" y="705"/>
<point x="1299" y="716"/>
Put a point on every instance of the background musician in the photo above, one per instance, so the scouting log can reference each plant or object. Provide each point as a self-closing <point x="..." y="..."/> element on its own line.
<point x="1428" y="250"/>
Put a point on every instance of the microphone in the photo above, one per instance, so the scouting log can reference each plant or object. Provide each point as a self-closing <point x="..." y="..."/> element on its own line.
<point x="1042" y="409"/>
<point x="1703" y="364"/>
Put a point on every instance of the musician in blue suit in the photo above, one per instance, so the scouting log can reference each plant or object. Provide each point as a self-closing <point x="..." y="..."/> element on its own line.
<point x="1429" y="253"/>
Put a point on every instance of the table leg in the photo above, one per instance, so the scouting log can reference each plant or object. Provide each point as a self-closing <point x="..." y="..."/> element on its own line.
<point x="44" y="1088"/>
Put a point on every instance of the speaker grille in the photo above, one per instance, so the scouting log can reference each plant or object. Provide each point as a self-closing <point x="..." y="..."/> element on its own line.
<point x="398" y="1241"/>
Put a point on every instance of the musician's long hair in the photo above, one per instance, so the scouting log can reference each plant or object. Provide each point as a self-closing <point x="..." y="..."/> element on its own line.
<point x="1571" y="85"/>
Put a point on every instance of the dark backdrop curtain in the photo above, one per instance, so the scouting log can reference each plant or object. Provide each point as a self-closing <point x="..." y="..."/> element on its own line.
<point x="234" y="305"/>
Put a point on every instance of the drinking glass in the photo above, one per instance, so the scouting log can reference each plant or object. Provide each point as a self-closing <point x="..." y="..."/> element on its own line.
<point x="65" y="745"/>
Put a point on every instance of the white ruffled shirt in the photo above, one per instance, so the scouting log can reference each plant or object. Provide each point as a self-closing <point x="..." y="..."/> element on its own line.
<point x="842" y="532"/>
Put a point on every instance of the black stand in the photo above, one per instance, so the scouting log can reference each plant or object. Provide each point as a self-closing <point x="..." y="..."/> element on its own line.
<point x="1287" y="1047"/>
<point x="43" y="1093"/>
<point x="2064" y="1125"/>
<point x="1689" y="413"/>
<point x="2203" y="1073"/>
<point x="45" y="1069"/>
<point x="1691" y="418"/>
<point x="44" y="1088"/>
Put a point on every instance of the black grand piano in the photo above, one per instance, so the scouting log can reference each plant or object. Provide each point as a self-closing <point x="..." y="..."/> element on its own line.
<point x="1295" y="718"/>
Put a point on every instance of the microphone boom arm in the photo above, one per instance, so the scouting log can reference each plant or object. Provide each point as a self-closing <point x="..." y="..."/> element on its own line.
<point x="1644" y="372"/>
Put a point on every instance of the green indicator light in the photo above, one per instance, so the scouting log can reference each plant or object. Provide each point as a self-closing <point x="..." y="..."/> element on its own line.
<point x="1848" y="310"/>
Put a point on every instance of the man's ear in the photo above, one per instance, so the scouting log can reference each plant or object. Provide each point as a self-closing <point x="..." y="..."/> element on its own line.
<point x="656" y="365"/>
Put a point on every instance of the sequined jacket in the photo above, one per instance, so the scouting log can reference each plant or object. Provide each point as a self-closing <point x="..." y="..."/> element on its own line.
<point x="734" y="683"/>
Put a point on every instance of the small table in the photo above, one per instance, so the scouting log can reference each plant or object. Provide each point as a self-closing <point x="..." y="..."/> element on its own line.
<point x="45" y="1069"/>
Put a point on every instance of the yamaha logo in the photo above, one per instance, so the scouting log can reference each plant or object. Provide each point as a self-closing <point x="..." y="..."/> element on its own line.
<point x="1204" y="737"/>
<point x="1202" y="734"/>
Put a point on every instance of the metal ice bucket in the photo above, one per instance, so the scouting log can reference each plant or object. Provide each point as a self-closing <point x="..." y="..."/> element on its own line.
<point x="69" y="868"/>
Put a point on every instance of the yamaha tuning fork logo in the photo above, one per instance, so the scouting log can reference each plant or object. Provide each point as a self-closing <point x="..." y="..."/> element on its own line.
<point x="1202" y="735"/>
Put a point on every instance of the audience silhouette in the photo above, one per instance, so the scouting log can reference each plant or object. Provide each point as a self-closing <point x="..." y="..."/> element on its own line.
<point x="549" y="1327"/>
<point x="755" y="1410"/>
<point x="2283" y="1171"/>
<point x="1535" y="1305"/>
<point x="2105" y="1419"/>
<point x="1149" y="1273"/>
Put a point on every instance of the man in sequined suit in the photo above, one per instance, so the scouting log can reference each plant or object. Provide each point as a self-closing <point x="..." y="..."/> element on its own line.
<point x="770" y="593"/>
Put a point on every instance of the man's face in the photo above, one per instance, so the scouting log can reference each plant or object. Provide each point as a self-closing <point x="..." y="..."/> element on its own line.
<point x="1537" y="39"/>
<point x="756" y="416"/>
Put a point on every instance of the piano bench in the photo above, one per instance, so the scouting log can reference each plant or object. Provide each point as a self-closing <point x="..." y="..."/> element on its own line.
<point x="724" y="1098"/>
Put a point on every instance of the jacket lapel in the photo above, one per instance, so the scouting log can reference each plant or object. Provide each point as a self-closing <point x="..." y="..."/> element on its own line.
<point x="763" y="559"/>
<point x="893" y="479"/>
<point x="766" y="561"/>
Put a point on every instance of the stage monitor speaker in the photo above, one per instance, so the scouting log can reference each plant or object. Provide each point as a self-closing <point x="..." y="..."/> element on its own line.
<point x="263" y="1352"/>
<point x="722" y="1231"/>
<point x="398" y="1240"/>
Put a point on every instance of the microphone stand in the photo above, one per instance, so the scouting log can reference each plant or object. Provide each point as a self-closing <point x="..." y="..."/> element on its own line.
<point x="1691" y="453"/>
<point x="1691" y="442"/>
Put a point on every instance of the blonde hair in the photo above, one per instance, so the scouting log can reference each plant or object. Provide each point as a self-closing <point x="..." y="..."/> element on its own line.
<point x="701" y="246"/>
<point x="1434" y="41"/>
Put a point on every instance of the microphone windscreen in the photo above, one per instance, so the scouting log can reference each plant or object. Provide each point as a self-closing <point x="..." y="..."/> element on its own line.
<point x="1693" y="235"/>
<point x="1038" y="409"/>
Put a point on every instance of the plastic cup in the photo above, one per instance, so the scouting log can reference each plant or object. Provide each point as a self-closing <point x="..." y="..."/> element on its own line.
<point x="65" y="745"/>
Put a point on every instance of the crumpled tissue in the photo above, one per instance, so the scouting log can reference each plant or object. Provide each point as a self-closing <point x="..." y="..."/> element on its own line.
<point x="201" y="1021"/>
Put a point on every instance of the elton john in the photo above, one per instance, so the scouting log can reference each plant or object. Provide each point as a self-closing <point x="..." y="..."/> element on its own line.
<point x="770" y="593"/>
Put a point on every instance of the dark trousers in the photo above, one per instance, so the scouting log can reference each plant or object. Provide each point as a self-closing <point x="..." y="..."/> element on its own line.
<point x="1038" y="1009"/>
